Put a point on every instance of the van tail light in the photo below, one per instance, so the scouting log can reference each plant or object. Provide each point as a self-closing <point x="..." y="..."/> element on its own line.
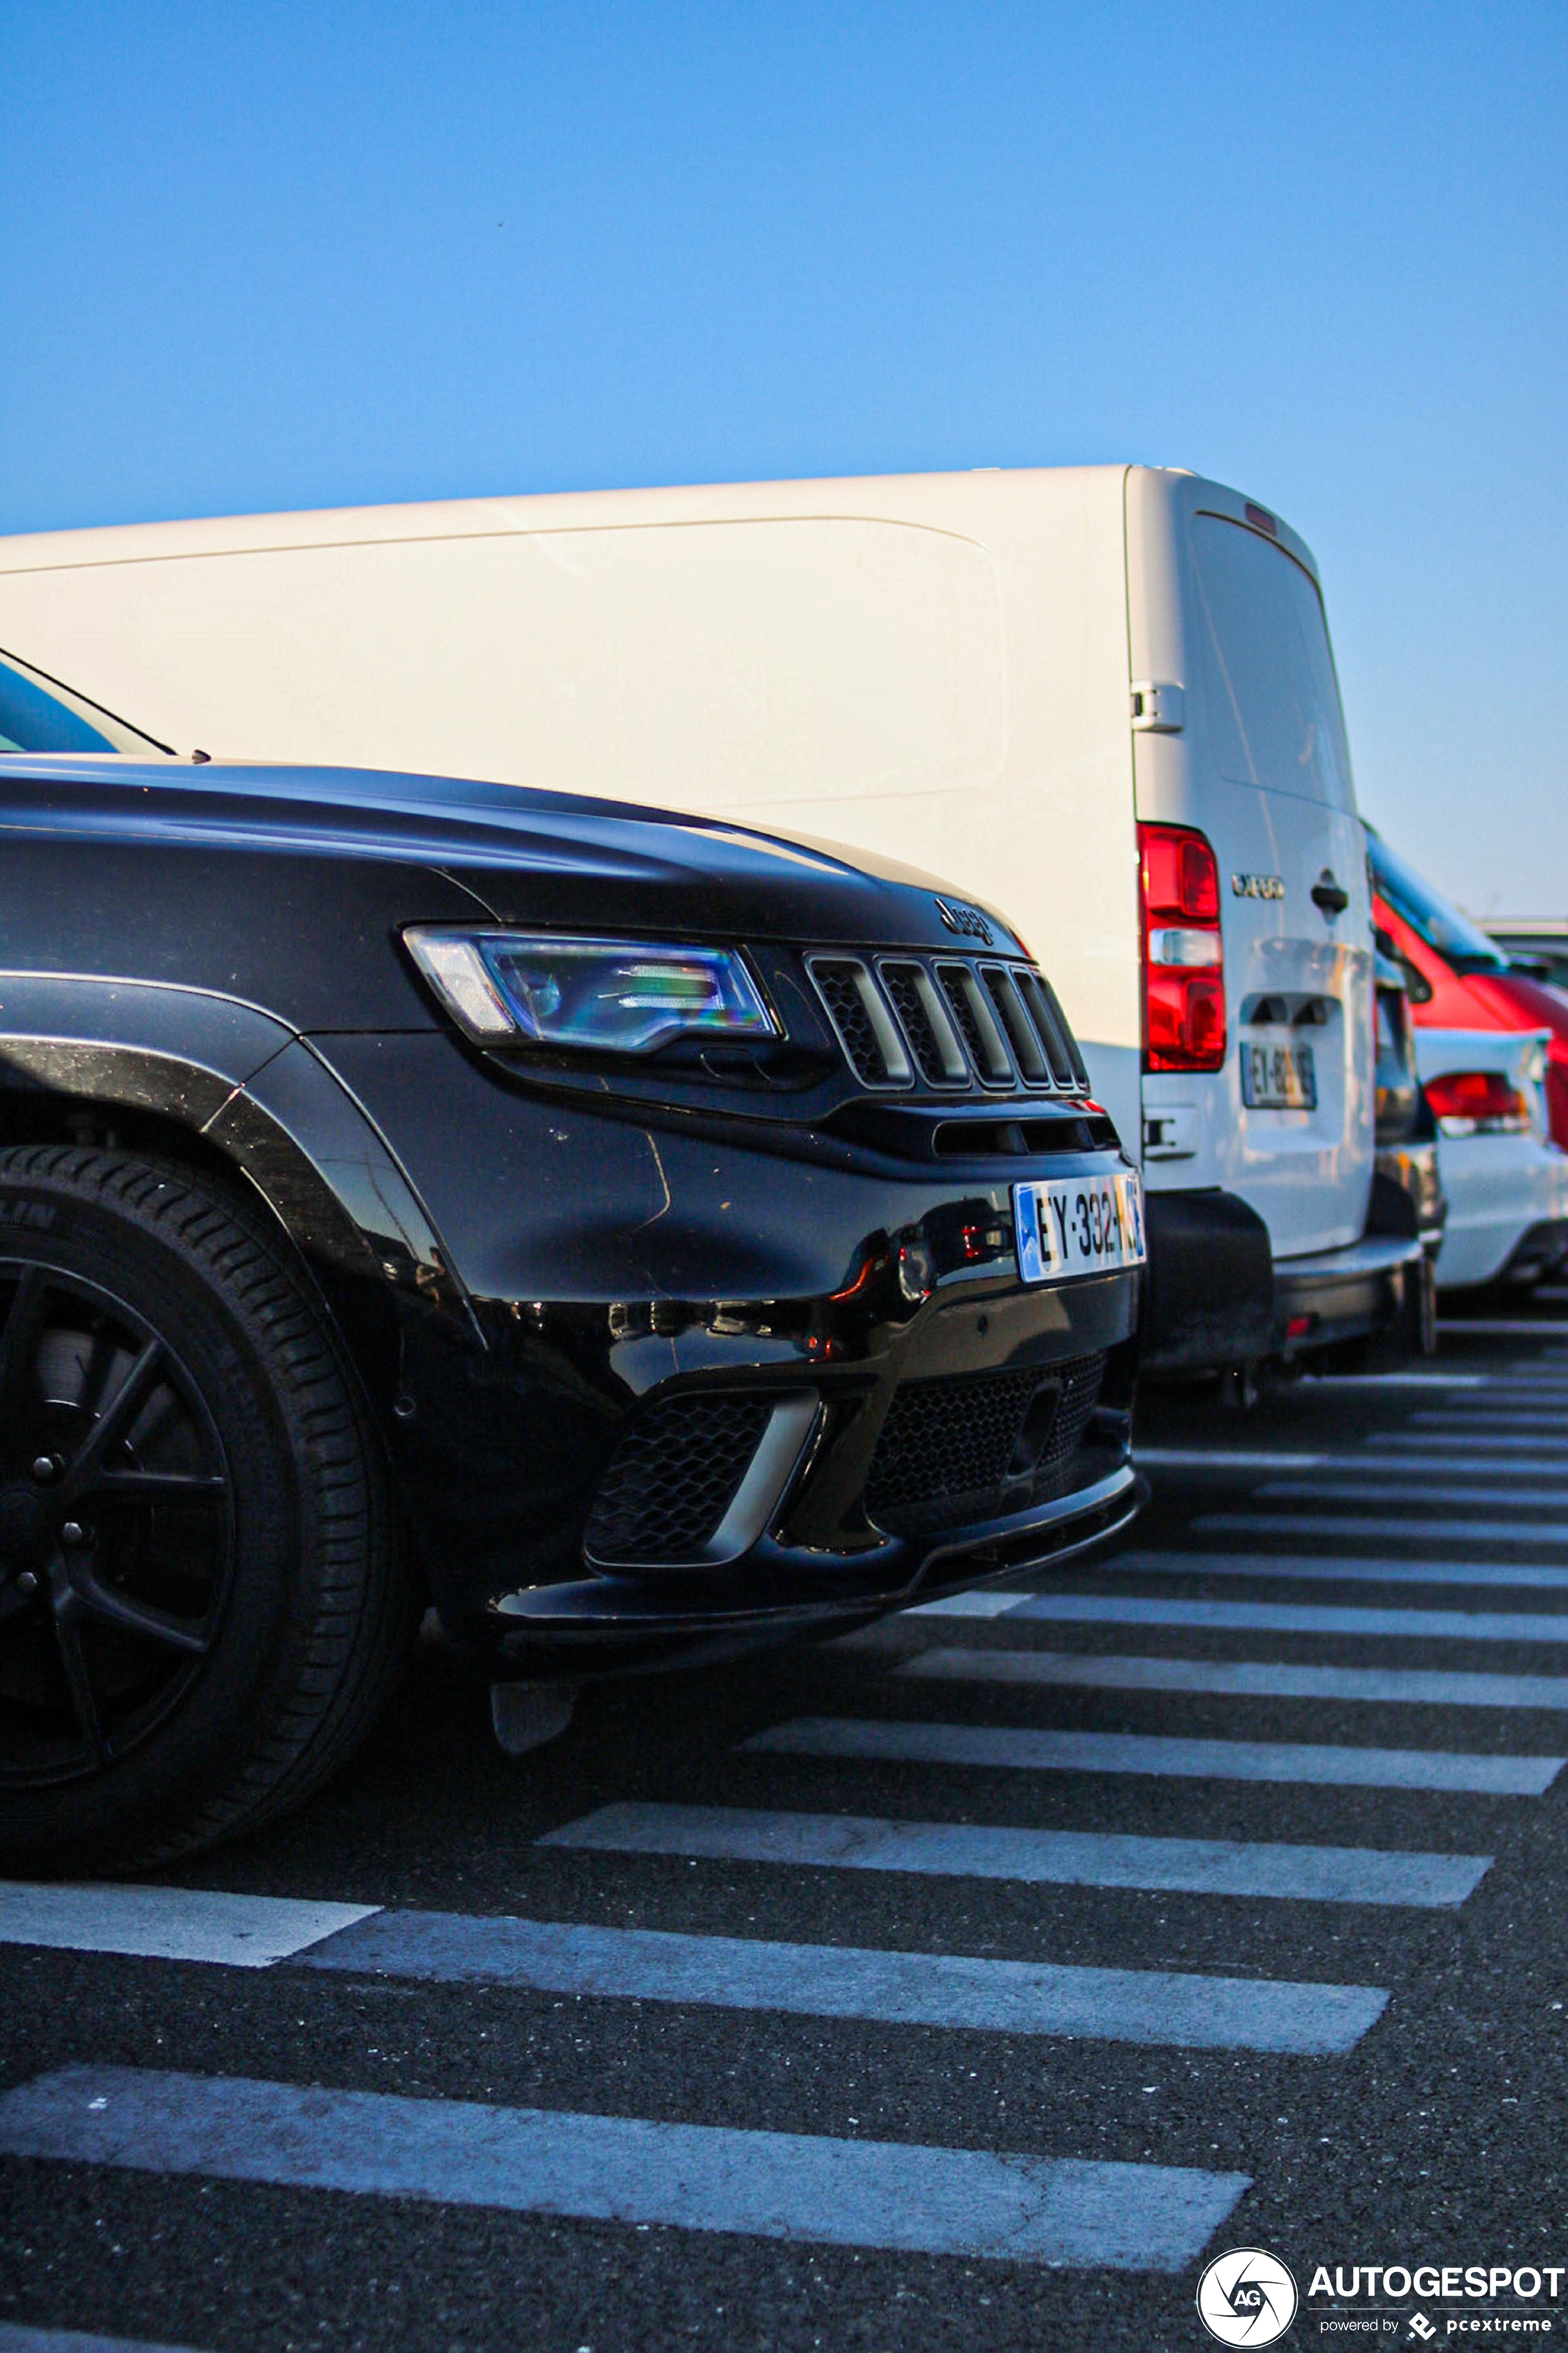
<point x="1476" y="1102"/>
<point x="1183" y="957"/>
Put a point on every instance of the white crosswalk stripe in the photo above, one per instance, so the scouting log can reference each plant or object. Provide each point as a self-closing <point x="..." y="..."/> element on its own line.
<point x="901" y="1988"/>
<point x="1507" y="1451"/>
<point x="1524" y="1473"/>
<point x="1293" y="1618"/>
<point x="734" y="1973"/>
<point x="1502" y="1328"/>
<point x="172" y="1924"/>
<point x="1527" y="1420"/>
<point x="980" y="1601"/>
<point x="1408" y="1527"/>
<point x="1336" y="1469"/>
<point x="1546" y="1385"/>
<point x="1536" y="1390"/>
<point x="1244" y="1678"/>
<point x="1206" y="1458"/>
<point x="1011" y="1749"/>
<point x="1337" y="1568"/>
<point x="1368" y="1487"/>
<point x="955" y="2201"/>
<point x="15" y="2339"/>
<point x="1074" y="1858"/>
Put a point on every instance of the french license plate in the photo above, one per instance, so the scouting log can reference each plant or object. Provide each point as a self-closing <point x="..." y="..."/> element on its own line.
<point x="1277" y="1078"/>
<point x="1079" y="1228"/>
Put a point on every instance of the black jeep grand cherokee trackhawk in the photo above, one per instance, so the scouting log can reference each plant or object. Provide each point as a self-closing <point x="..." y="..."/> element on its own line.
<point x="636" y="1238"/>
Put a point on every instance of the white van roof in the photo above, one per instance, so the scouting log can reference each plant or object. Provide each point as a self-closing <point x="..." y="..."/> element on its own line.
<point x="546" y="509"/>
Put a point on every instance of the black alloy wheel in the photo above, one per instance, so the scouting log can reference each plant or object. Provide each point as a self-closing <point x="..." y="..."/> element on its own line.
<point x="202" y="1604"/>
<point x="116" y="1526"/>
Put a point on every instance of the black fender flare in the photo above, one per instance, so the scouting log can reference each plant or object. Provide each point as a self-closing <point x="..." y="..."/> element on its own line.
<point x="247" y="1087"/>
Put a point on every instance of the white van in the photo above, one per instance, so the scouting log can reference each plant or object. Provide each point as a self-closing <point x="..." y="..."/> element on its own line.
<point x="1101" y="698"/>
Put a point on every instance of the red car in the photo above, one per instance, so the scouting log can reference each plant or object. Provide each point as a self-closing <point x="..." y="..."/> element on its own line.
<point x="1458" y="979"/>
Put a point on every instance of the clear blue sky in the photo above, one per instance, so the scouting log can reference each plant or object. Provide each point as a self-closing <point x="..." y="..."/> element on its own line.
<point x="261" y="254"/>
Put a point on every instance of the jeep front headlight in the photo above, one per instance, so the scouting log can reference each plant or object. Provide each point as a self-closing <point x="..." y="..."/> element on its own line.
<point x="620" y="997"/>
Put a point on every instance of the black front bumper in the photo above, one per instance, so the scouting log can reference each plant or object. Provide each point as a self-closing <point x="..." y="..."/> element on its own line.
<point x="903" y="1417"/>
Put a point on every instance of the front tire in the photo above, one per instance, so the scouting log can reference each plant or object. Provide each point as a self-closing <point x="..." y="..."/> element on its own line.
<point x="202" y="1604"/>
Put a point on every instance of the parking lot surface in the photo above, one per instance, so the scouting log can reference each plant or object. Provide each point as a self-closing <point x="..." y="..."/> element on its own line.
<point x="975" y="1978"/>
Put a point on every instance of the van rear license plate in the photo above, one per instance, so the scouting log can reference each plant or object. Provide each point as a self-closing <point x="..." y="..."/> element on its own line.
<point x="1277" y="1078"/>
<point x="1078" y="1228"/>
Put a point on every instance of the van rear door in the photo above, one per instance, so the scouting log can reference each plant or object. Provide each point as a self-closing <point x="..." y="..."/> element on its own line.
<point x="1260" y="765"/>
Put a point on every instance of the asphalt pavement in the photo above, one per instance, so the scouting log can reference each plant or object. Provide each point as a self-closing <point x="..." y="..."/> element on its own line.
<point x="979" y="1978"/>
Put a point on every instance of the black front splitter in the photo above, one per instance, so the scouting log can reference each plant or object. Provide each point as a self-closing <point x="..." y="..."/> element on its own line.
<point x="599" y="1626"/>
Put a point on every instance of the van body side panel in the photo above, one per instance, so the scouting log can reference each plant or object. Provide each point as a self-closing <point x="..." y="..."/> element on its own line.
<point x="932" y="668"/>
<point x="1294" y="973"/>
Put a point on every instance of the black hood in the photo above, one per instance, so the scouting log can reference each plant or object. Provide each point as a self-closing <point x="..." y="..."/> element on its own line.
<point x="519" y="855"/>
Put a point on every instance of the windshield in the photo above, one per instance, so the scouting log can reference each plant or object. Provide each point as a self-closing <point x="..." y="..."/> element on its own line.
<point x="1430" y="916"/>
<point x="38" y="715"/>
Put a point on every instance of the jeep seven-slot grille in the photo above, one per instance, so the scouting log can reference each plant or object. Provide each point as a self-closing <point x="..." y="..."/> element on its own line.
<point x="672" y="1478"/>
<point x="861" y="1015"/>
<point x="976" y="1023"/>
<point x="949" y="1024"/>
<point x="1061" y="1047"/>
<point x="925" y="1022"/>
<point x="977" y="1446"/>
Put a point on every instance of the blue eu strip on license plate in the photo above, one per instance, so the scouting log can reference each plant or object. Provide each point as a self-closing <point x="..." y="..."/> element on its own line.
<point x="1078" y="1226"/>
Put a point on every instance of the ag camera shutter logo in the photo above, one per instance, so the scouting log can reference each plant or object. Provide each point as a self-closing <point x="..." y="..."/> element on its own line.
<point x="1247" y="2297"/>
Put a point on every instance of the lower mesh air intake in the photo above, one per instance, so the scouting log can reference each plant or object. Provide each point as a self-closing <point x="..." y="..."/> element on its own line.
<point x="975" y="1446"/>
<point x="671" y="1479"/>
